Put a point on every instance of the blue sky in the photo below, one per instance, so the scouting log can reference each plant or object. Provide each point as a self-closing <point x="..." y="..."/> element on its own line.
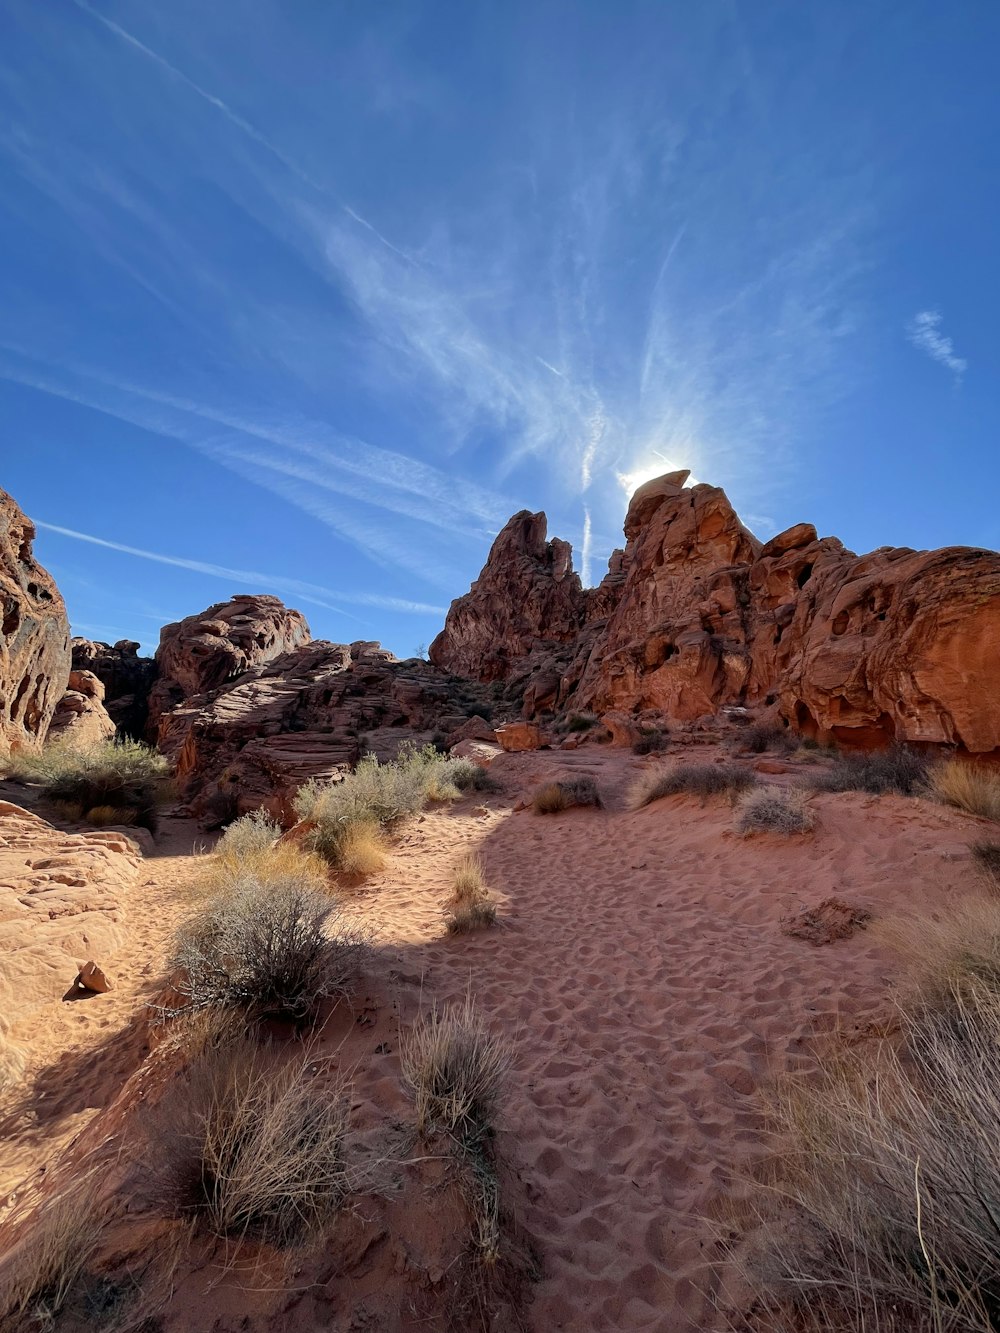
<point x="309" y="298"/>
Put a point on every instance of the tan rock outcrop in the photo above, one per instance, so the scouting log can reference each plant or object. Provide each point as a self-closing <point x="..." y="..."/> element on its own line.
<point x="80" y="717"/>
<point x="61" y="899"/>
<point x="696" y="615"/>
<point x="34" y="636"/>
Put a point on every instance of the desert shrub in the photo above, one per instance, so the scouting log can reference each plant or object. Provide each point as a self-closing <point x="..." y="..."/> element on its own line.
<point x="55" y="1245"/>
<point x="251" y="855"/>
<point x="970" y="787"/>
<point x="455" y="1068"/>
<point x="470" y="776"/>
<point x="651" y="741"/>
<point x="273" y="948"/>
<point x="556" y="796"/>
<point x="898" y="769"/>
<point x="890" y="1164"/>
<point x="375" y="794"/>
<point x="124" y="775"/>
<point x="255" y="1147"/>
<point x="763" y="736"/>
<point x="698" y="779"/>
<point x="248" y="837"/>
<point x="580" y="721"/>
<point x="986" y="855"/>
<point x="773" y="810"/>
<point x="362" y="849"/>
<point x="471" y="906"/>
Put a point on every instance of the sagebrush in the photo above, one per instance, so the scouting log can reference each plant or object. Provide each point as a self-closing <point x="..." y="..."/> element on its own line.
<point x="773" y="810"/>
<point x="898" y="769"/>
<point x="120" y="775"/>
<point x="274" y="948"/>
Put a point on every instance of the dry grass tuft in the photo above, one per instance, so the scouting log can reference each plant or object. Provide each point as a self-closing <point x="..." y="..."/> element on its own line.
<point x="275" y="948"/>
<point x="888" y="1156"/>
<point x="254" y="1146"/>
<point x="986" y="855"/>
<point x="652" y="740"/>
<point x="967" y="786"/>
<point x="773" y="810"/>
<point x="456" y="1069"/>
<point x="898" y="769"/>
<point x="763" y="736"/>
<point x="103" y="816"/>
<point x="56" y="1244"/>
<point x="697" y="779"/>
<point x="554" y="797"/>
<point x="471" y="907"/>
<point x="362" y="849"/>
<point x="279" y="861"/>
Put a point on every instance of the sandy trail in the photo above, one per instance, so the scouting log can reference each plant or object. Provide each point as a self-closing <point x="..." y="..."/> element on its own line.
<point x="641" y="973"/>
<point x="643" y="977"/>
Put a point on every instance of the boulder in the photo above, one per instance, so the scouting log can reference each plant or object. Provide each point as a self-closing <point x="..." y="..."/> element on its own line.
<point x="515" y="736"/>
<point x="34" y="636"/>
<point x="80" y="717"/>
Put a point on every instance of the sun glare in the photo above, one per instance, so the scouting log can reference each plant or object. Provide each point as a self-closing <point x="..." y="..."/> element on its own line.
<point x="656" y="467"/>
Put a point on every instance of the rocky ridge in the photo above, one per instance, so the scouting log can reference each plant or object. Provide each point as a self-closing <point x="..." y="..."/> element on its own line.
<point x="696" y="615"/>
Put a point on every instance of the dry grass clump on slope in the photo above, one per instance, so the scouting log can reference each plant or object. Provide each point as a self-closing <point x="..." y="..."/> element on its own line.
<point x="897" y="769"/>
<point x="971" y="787"/>
<point x="773" y="810"/>
<point x="274" y="948"/>
<point x="986" y="855"/>
<point x="124" y="777"/>
<point x="349" y="815"/>
<point x="890" y="1160"/>
<point x="471" y="906"/>
<point x="456" y="1069"/>
<point x="697" y="779"/>
<point x="254" y="1146"/>
<point x="54" y="1247"/>
<point x="554" y="797"/>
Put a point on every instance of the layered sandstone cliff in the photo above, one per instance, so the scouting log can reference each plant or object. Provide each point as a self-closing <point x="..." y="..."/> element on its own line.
<point x="696" y="614"/>
<point x="34" y="636"/>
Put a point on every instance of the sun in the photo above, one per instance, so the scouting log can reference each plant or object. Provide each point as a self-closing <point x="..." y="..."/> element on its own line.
<point x="657" y="466"/>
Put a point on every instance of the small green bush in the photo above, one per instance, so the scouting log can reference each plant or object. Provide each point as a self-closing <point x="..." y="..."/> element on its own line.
<point x="580" y="721"/>
<point x="124" y="775"/>
<point x="652" y="741"/>
<point x="249" y="836"/>
<point x="764" y="736"/>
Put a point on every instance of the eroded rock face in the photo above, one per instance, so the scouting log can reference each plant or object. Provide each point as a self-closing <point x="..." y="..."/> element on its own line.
<point x="34" y="636"/>
<point x="527" y="594"/>
<point x="205" y="651"/>
<point x="696" y="615"/>
<point x="80" y="717"/>
<point x="309" y="713"/>
<point x="127" y="679"/>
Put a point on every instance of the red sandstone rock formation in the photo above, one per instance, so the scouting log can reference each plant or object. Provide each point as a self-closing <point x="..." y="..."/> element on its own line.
<point x="205" y="651"/>
<point x="34" y="636"/>
<point x="127" y="679"/>
<point x="696" y="614"/>
<point x="80" y="717"/>
<point x="312" y="712"/>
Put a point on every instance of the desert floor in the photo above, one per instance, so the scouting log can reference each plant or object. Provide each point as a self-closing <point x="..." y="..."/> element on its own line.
<point x="640" y="971"/>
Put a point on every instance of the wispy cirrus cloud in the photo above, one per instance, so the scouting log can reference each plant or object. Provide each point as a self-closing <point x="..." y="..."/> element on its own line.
<point x="924" y="332"/>
<point x="262" y="582"/>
